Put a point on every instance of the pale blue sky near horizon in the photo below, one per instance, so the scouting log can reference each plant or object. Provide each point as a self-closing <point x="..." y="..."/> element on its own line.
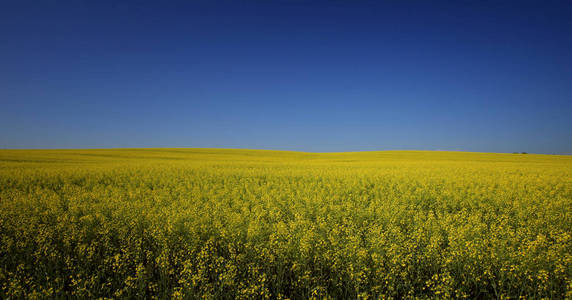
<point x="320" y="76"/>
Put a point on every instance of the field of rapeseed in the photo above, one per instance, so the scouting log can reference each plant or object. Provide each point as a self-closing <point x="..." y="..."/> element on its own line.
<point x="205" y="223"/>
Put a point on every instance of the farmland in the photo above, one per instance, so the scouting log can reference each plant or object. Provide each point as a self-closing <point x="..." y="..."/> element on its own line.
<point x="208" y="223"/>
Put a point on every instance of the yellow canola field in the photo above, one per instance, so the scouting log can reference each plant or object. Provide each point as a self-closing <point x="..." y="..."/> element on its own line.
<point x="244" y="224"/>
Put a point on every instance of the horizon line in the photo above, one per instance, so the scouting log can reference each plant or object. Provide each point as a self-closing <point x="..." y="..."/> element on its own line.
<point x="280" y="150"/>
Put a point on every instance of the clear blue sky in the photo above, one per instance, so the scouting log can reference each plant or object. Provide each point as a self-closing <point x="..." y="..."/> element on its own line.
<point x="491" y="76"/>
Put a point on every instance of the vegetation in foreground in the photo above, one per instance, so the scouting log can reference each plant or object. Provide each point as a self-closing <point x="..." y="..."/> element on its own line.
<point x="205" y="223"/>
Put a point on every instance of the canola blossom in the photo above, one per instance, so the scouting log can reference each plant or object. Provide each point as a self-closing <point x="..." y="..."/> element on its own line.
<point x="253" y="224"/>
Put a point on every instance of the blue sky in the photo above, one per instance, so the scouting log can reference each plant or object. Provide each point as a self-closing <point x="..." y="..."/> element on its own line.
<point x="488" y="76"/>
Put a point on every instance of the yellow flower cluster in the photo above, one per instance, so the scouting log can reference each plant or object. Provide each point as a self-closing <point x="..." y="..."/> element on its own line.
<point x="244" y="224"/>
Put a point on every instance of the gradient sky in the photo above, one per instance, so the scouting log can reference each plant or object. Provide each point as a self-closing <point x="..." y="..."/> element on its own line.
<point x="488" y="76"/>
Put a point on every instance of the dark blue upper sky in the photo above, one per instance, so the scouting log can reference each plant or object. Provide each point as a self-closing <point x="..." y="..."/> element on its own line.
<point x="493" y="76"/>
